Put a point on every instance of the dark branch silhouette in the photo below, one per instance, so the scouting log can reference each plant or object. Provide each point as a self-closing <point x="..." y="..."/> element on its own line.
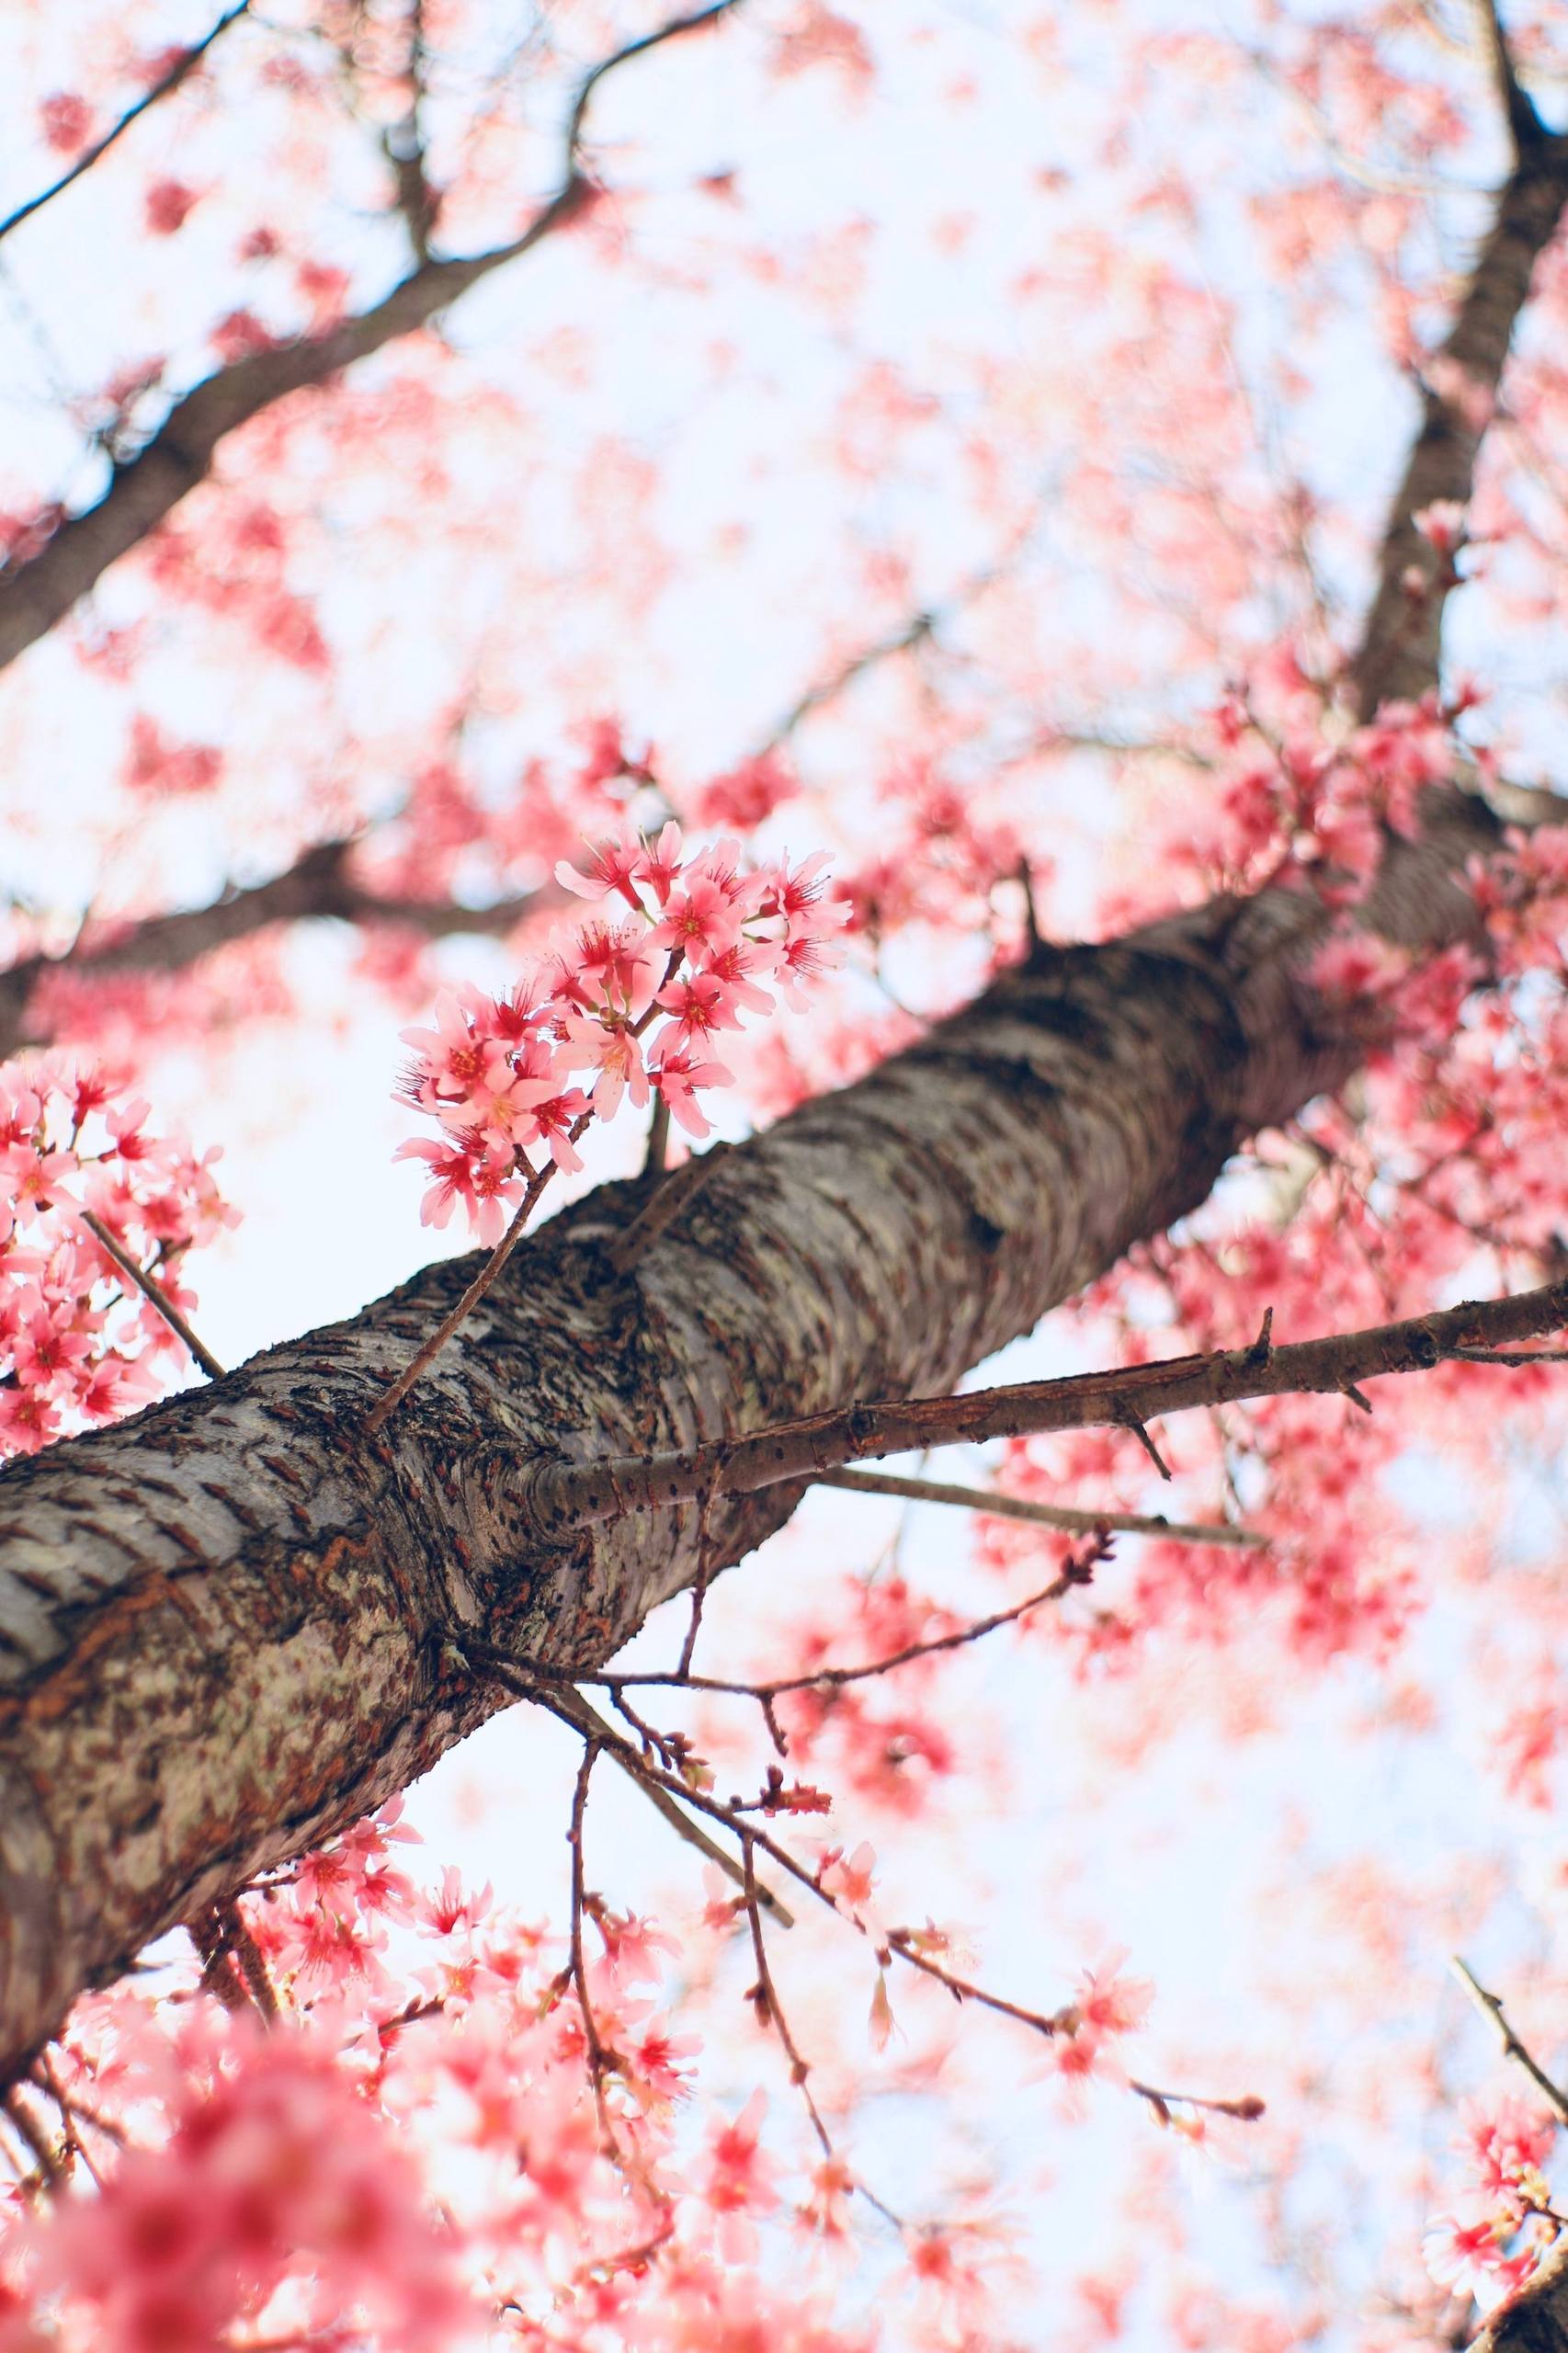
<point x="318" y="886"/>
<point x="40" y="590"/>
<point x="183" y="65"/>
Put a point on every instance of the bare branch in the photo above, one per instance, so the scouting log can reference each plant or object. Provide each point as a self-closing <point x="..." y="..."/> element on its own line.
<point x="1063" y="1515"/>
<point x="1491" y="2007"/>
<point x="403" y="147"/>
<point x="1526" y="128"/>
<point x="592" y="1725"/>
<point x="920" y="629"/>
<point x="153" y="1290"/>
<point x="915" y="632"/>
<point x="573" y="1493"/>
<point x="1075" y="1573"/>
<point x="184" y="64"/>
<point x="40" y="590"/>
<point x="916" y="1947"/>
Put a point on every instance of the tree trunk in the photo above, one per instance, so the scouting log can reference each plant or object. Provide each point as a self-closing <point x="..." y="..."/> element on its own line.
<point x="226" y="1626"/>
<point x="232" y="1624"/>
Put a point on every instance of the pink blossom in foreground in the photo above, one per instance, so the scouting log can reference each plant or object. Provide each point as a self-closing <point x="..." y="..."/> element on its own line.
<point x="615" y="1012"/>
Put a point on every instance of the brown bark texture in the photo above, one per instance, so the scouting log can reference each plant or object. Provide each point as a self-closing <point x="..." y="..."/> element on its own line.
<point x="232" y="1624"/>
<point x="1535" y="2320"/>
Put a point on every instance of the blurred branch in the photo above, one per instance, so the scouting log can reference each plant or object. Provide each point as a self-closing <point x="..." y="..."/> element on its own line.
<point x="316" y="886"/>
<point x="915" y="632"/>
<point x="38" y="590"/>
<point x="1526" y="128"/>
<point x="920" y="629"/>
<point x="1400" y="651"/>
<point x="184" y="64"/>
<point x="403" y="146"/>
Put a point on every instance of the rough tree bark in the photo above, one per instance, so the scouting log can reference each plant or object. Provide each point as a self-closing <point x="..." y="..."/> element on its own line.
<point x="1536" y="2321"/>
<point x="226" y="1626"/>
<point x="230" y="1625"/>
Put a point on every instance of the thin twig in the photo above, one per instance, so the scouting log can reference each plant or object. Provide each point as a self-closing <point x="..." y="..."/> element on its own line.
<point x="151" y="1288"/>
<point x="694" y="1623"/>
<point x="1075" y="1573"/>
<point x="601" y="2058"/>
<point x="657" y="1153"/>
<point x="26" y="2124"/>
<point x="764" y="1996"/>
<point x="900" y="1942"/>
<point x="429" y="1350"/>
<point x="184" y="63"/>
<point x="674" y="29"/>
<point x="1072" y="1521"/>
<point x="1247" y="2110"/>
<point x="75" y="2149"/>
<point x="402" y="148"/>
<point x="592" y="1725"/>
<point x="660" y="1212"/>
<point x="1147" y="1443"/>
<point x="1490" y="2006"/>
<point x="1033" y="938"/>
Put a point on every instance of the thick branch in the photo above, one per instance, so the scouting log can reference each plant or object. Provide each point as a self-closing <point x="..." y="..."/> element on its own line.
<point x="1126" y="1397"/>
<point x="227" y="1626"/>
<point x="1397" y="658"/>
<point x="39" y="591"/>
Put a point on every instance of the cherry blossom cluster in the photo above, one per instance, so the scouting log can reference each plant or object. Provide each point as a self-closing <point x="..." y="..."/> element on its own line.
<point x="1307" y="795"/>
<point x="257" y="2179"/>
<point x="1524" y="896"/>
<point x="1504" y="2221"/>
<point x="79" y="1343"/>
<point x="630" y="1004"/>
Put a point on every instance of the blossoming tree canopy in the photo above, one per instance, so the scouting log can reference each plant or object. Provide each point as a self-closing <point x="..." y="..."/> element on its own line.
<point x="888" y="685"/>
